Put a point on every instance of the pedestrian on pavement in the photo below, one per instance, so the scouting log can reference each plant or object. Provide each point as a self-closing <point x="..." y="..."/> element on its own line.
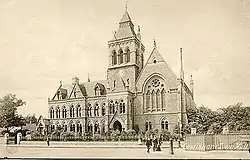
<point x="159" y="144"/>
<point x="148" y="143"/>
<point x="48" y="140"/>
<point x="155" y="141"/>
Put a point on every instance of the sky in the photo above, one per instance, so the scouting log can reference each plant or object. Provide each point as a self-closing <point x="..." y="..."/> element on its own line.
<point x="43" y="42"/>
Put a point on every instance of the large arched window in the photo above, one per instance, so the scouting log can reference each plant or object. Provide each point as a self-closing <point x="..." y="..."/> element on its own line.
<point x="120" y="56"/>
<point x="154" y="94"/>
<point x="114" y="58"/>
<point x="164" y="125"/>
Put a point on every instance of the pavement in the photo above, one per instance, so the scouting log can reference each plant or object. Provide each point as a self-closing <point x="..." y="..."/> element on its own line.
<point x="79" y="144"/>
<point x="111" y="150"/>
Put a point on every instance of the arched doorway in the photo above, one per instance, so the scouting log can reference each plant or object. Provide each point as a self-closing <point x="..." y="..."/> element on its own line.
<point x="117" y="126"/>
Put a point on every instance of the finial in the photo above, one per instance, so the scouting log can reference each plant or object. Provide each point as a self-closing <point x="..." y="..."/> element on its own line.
<point x="126" y="7"/>
<point x="191" y="76"/>
<point x="154" y="43"/>
<point x="139" y="28"/>
<point x="60" y="83"/>
<point x="88" y="78"/>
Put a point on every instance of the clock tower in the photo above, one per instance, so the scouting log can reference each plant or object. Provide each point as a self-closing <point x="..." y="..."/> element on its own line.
<point x="125" y="57"/>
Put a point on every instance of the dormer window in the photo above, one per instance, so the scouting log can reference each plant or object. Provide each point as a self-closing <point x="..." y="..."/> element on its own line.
<point x="97" y="91"/>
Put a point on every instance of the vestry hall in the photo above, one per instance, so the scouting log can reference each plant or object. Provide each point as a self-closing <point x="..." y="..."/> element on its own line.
<point x="146" y="94"/>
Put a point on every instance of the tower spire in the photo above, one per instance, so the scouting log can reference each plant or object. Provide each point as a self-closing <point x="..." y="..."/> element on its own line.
<point x="154" y="43"/>
<point x="182" y="70"/>
<point x="126" y="6"/>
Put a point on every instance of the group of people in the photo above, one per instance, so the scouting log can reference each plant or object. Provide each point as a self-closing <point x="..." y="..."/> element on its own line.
<point x="154" y="141"/>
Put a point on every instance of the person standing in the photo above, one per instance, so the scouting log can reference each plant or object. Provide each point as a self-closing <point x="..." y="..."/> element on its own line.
<point x="155" y="141"/>
<point x="48" y="140"/>
<point x="148" y="143"/>
<point x="159" y="144"/>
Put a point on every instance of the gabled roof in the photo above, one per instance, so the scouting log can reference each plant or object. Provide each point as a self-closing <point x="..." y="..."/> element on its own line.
<point x="154" y="61"/>
<point x="90" y="87"/>
<point x="86" y="89"/>
<point x="155" y="57"/>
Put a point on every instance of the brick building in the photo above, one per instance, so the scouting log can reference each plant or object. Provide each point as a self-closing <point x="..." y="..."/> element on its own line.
<point x="146" y="95"/>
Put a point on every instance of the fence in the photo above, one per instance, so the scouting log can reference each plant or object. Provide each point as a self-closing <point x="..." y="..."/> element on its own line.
<point x="217" y="142"/>
<point x="83" y="138"/>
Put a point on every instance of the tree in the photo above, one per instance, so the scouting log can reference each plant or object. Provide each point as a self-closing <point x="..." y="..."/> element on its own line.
<point x="8" y="111"/>
<point x="31" y="119"/>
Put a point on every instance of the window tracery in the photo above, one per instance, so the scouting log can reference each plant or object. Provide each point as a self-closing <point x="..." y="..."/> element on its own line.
<point x="155" y="95"/>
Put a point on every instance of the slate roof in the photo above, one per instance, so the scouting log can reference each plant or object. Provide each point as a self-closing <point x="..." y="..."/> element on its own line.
<point x="125" y="18"/>
<point x="125" y="31"/>
<point x="87" y="88"/>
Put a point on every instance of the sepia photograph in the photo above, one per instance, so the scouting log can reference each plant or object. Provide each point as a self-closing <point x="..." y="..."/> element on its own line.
<point x="127" y="79"/>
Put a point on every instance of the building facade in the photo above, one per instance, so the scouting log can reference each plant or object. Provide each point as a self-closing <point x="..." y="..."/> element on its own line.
<point x="148" y="95"/>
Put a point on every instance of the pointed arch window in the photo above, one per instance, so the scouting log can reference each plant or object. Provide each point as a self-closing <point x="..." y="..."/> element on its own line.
<point x="72" y="111"/>
<point x="127" y="56"/>
<point x="153" y="99"/>
<point x="164" y="125"/>
<point x="52" y="113"/>
<point x="96" y="128"/>
<point x="163" y="99"/>
<point x="120" y="56"/>
<point x="114" y="58"/>
<point x="158" y="100"/>
<point x="103" y="110"/>
<point x="58" y="113"/>
<point x="148" y="125"/>
<point x="89" y="108"/>
<point x="78" y="111"/>
<point x="148" y="100"/>
<point x="90" y="128"/>
<point x="137" y="57"/>
<point x="64" y="112"/>
<point x="96" y="110"/>
<point x="122" y="107"/>
<point x="112" y="108"/>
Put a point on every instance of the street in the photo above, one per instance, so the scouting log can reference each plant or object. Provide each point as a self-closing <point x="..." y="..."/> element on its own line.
<point x="33" y="152"/>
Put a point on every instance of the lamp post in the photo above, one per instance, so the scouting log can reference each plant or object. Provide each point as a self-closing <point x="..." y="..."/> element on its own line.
<point x="179" y="133"/>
